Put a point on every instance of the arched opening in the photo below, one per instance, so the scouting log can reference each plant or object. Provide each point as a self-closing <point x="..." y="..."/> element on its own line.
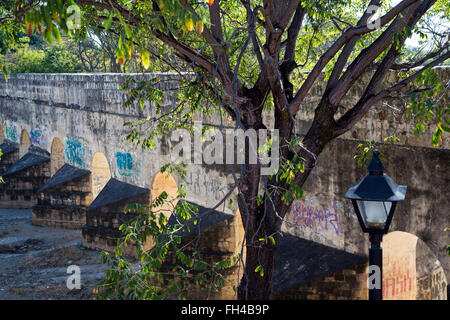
<point x="410" y="269"/>
<point x="100" y="173"/>
<point x="2" y="134"/>
<point x="164" y="181"/>
<point x="57" y="156"/>
<point x="239" y="233"/>
<point x="25" y="143"/>
<point x="399" y="266"/>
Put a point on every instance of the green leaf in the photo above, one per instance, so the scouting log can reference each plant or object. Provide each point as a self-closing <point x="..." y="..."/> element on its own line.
<point x="5" y="73"/>
<point x="108" y="22"/>
<point x="48" y="35"/>
<point x="260" y="269"/>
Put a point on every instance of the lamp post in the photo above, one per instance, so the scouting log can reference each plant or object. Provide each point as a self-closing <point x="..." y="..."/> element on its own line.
<point x="374" y="200"/>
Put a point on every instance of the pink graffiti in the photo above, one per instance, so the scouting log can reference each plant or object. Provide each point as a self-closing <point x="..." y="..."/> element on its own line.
<point x="318" y="219"/>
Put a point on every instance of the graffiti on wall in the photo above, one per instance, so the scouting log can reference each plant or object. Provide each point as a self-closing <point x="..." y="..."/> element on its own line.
<point x="35" y="136"/>
<point x="11" y="133"/>
<point x="124" y="163"/>
<point x="399" y="266"/>
<point x="317" y="218"/>
<point x="398" y="286"/>
<point x="74" y="152"/>
<point x="202" y="184"/>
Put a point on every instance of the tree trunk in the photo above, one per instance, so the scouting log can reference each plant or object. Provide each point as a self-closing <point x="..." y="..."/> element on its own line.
<point x="265" y="220"/>
<point x="257" y="285"/>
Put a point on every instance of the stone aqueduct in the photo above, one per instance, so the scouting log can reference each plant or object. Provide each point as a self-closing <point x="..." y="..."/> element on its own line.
<point x="65" y="154"/>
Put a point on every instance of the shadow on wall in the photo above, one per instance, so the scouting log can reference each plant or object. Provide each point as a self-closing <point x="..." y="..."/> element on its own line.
<point x="410" y="271"/>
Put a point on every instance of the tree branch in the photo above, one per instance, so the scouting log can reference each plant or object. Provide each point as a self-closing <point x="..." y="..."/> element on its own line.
<point x="348" y="49"/>
<point x="369" y="54"/>
<point x="337" y="45"/>
<point x="356" y="113"/>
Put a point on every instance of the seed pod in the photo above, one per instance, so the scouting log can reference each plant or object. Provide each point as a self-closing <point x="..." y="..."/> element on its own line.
<point x="189" y="24"/>
<point x="199" y="27"/>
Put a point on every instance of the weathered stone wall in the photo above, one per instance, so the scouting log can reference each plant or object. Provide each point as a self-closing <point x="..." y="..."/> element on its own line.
<point x="384" y="119"/>
<point x="346" y="284"/>
<point x="78" y="116"/>
<point x="410" y="272"/>
<point x="83" y="115"/>
<point x="326" y="217"/>
<point x="431" y="279"/>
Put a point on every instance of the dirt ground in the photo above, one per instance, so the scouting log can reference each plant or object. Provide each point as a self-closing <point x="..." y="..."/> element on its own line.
<point x="34" y="260"/>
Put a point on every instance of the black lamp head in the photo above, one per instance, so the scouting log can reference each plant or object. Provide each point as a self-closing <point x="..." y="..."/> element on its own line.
<point x="376" y="192"/>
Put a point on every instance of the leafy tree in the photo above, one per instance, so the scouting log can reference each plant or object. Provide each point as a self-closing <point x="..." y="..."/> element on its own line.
<point x="50" y="59"/>
<point x="248" y="56"/>
<point x="5" y="42"/>
<point x="25" y="60"/>
<point x="58" y="60"/>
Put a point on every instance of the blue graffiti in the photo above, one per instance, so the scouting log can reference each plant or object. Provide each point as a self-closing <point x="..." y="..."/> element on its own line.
<point x="35" y="136"/>
<point x="124" y="163"/>
<point x="11" y="133"/>
<point x="74" y="152"/>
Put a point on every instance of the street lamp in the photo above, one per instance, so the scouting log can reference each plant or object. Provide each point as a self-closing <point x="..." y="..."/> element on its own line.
<point x="374" y="200"/>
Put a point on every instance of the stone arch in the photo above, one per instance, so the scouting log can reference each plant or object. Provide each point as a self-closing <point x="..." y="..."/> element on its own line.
<point x="164" y="181"/>
<point x="239" y="233"/>
<point x="100" y="173"/>
<point x="410" y="269"/>
<point x="57" y="155"/>
<point x="25" y="142"/>
<point x="2" y="134"/>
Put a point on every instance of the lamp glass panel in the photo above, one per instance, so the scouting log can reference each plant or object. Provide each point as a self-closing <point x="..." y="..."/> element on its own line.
<point x="374" y="213"/>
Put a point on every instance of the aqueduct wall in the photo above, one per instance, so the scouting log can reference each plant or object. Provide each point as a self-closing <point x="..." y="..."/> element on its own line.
<point x="78" y="119"/>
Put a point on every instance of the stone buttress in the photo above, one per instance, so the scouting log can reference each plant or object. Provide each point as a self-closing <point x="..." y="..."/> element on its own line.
<point x="23" y="178"/>
<point x="64" y="199"/>
<point x="10" y="154"/>
<point x="106" y="213"/>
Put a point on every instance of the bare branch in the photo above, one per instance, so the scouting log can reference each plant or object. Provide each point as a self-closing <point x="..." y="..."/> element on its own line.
<point x="292" y="35"/>
<point x="356" y="113"/>
<point x="411" y="65"/>
<point x="337" y="45"/>
<point x="348" y="49"/>
<point x="409" y="18"/>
